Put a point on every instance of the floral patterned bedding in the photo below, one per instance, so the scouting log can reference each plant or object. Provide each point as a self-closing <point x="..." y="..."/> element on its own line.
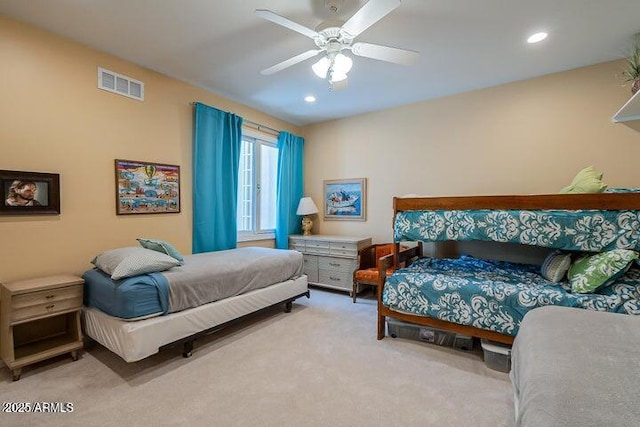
<point x="495" y="295"/>
<point x="583" y="230"/>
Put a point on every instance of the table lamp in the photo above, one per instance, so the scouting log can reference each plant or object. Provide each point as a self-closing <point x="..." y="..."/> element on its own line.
<point x="306" y="207"/>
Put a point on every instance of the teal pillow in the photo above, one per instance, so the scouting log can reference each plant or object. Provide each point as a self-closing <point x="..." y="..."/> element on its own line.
<point x="555" y="266"/>
<point x="161" y="246"/>
<point x="588" y="180"/>
<point x="593" y="272"/>
<point x="132" y="261"/>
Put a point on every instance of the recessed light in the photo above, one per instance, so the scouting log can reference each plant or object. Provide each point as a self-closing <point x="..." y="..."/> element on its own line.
<point x="310" y="98"/>
<point x="537" y="37"/>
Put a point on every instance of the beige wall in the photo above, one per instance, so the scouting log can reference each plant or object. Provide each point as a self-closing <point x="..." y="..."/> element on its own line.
<point x="54" y="119"/>
<point x="526" y="137"/>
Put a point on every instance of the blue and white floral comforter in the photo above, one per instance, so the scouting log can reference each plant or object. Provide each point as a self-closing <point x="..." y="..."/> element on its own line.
<point x="581" y="230"/>
<point x="495" y="295"/>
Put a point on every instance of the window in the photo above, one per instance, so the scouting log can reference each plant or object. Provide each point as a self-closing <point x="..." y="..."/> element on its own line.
<point x="257" y="176"/>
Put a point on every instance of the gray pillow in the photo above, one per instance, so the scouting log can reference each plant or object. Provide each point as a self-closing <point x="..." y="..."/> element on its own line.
<point x="133" y="261"/>
<point x="555" y="266"/>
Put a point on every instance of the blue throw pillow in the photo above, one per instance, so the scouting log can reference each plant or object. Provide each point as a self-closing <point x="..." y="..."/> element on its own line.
<point x="161" y="246"/>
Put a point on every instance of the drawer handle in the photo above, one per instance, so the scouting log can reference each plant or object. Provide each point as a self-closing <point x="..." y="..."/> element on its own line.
<point x="50" y="296"/>
<point x="50" y="306"/>
<point x="337" y="279"/>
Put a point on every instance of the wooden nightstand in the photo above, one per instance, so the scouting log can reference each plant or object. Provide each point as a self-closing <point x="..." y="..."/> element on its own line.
<point x="39" y="319"/>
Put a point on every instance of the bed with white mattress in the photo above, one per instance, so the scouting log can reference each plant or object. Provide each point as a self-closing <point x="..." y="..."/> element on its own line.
<point x="137" y="316"/>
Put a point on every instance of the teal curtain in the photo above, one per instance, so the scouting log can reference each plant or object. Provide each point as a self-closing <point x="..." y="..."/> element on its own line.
<point x="217" y="137"/>
<point x="290" y="187"/>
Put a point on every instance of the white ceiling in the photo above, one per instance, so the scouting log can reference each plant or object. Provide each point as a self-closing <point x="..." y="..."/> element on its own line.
<point x="222" y="46"/>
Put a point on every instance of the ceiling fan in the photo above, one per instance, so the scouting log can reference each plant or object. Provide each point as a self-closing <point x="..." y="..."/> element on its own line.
<point x="334" y="37"/>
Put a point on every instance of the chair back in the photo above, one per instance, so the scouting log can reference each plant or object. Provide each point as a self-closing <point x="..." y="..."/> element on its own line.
<point x="383" y="250"/>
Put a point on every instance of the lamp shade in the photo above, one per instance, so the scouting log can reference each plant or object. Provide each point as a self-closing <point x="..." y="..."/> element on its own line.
<point x="339" y="66"/>
<point x="306" y="207"/>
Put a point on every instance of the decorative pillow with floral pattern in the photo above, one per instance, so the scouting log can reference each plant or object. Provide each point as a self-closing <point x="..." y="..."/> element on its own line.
<point x="592" y="272"/>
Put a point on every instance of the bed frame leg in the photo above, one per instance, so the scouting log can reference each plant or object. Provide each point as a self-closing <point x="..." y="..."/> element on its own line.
<point x="381" y="321"/>
<point x="187" y="349"/>
<point x="287" y="307"/>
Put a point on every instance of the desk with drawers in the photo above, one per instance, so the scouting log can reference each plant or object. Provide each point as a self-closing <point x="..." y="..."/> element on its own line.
<point x="329" y="261"/>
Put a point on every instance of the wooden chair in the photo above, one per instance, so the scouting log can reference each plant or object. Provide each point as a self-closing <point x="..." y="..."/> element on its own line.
<point x="367" y="272"/>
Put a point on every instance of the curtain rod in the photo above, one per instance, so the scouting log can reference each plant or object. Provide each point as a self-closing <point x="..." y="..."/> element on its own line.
<point x="255" y="125"/>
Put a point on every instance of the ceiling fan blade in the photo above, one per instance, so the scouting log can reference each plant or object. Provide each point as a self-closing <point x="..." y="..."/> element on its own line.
<point x="291" y="61"/>
<point x="369" y="14"/>
<point x="385" y="53"/>
<point x="287" y="23"/>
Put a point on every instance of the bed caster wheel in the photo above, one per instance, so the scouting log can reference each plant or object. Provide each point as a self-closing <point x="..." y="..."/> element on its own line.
<point x="74" y="356"/>
<point x="288" y="306"/>
<point x="394" y="336"/>
<point x="187" y="349"/>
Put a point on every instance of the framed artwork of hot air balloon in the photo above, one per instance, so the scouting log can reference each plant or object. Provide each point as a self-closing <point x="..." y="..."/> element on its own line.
<point x="146" y="188"/>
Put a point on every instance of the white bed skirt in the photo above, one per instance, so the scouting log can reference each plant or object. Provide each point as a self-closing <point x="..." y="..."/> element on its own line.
<point x="134" y="341"/>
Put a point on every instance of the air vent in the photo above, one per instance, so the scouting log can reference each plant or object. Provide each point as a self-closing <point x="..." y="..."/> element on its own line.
<point x="122" y="85"/>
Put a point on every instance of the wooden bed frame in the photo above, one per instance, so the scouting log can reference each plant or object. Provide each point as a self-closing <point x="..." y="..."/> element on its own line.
<point x="599" y="201"/>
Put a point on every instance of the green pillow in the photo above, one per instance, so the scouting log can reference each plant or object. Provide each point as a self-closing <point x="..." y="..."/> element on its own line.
<point x="592" y="272"/>
<point x="161" y="246"/>
<point x="588" y="180"/>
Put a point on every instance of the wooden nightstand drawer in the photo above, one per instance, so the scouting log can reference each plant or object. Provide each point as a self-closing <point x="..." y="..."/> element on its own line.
<point x="45" y="309"/>
<point x="44" y="297"/>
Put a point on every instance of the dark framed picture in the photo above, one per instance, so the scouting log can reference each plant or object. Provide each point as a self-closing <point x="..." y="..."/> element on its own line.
<point x="345" y="199"/>
<point x="146" y="188"/>
<point x="29" y="193"/>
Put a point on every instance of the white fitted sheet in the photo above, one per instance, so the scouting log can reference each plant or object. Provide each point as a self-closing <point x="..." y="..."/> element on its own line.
<point x="134" y="341"/>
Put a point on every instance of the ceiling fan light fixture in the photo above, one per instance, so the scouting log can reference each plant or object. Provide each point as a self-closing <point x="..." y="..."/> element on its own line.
<point x="338" y="77"/>
<point x="336" y="70"/>
<point x="321" y="67"/>
<point x="342" y="64"/>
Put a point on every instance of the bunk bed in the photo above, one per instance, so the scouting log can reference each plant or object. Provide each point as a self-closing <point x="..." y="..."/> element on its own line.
<point x="570" y="222"/>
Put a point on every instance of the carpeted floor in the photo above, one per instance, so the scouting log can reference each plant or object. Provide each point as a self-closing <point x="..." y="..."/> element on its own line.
<point x="319" y="365"/>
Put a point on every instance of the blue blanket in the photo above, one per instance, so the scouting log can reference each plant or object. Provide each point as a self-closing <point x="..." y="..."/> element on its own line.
<point x="495" y="295"/>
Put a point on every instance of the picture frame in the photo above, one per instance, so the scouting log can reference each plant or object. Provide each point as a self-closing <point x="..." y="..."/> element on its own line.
<point x="345" y="199"/>
<point x="29" y="193"/>
<point x="146" y="187"/>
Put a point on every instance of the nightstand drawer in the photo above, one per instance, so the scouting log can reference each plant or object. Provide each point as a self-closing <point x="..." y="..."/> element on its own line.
<point x="44" y="297"/>
<point x="33" y="311"/>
